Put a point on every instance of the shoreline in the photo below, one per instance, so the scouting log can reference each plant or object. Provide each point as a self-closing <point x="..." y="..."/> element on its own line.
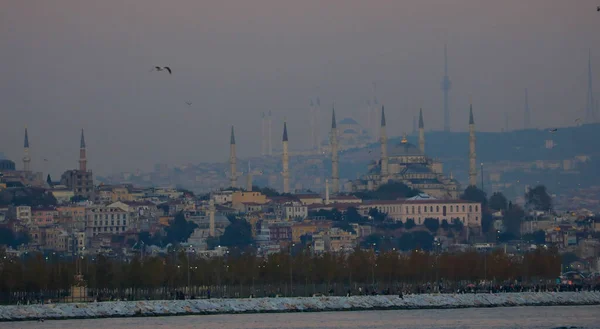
<point x="154" y="308"/>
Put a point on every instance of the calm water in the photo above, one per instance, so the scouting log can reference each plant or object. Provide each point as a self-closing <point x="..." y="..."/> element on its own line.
<point x="510" y="317"/>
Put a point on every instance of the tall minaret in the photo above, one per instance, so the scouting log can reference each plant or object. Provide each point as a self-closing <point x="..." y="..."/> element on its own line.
<point x="270" y="139"/>
<point x="590" y="113"/>
<point x="263" y="136"/>
<point x="333" y="139"/>
<point x="384" y="156"/>
<point x="232" y="160"/>
<point x="421" y="132"/>
<point x="211" y="217"/>
<point x="285" y="160"/>
<point x="26" y="157"/>
<point x="82" y="155"/>
<point x="446" y="84"/>
<point x="527" y="112"/>
<point x="249" y="179"/>
<point x="472" y="155"/>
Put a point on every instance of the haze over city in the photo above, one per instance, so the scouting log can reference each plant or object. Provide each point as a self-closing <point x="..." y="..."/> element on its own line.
<point x="69" y="65"/>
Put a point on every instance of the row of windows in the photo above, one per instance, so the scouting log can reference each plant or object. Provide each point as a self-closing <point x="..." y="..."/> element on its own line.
<point x="425" y="209"/>
<point x="112" y="223"/>
<point x="112" y="216"/>
<point x="107" y="229"/>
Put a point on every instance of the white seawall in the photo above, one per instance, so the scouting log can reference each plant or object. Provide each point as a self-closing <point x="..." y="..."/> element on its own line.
<point x="298" y="304"/>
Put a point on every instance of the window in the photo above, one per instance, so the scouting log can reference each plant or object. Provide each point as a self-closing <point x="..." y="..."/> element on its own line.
<point x="437" y="208"/>
<point x="470" y="208"/>
<point x="124" y="217"/>
<point x="112" y="216"/>
<point x="425" y="209"/>
<point x="463" y="207"/>
<point x="430" y="208"/>
<point x="476" y="208"/>
<point x="444" y="210"/>
<point x="451" y="208"/>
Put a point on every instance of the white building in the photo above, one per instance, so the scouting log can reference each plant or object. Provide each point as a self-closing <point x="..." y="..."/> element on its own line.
<point x="24" y="214"/>
<point x="294" y="211"/>
<point x="106" y="220"/>
<point x="222" y="197"/>
<point x="468" y="212"/>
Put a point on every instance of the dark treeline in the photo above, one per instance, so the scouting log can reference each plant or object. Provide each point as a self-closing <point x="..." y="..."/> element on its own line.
<point x="36" y="274"/>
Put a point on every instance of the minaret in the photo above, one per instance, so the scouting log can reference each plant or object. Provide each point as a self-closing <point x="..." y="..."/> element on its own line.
<point x="384" y="156"/>
<point x="333" y="138"/>
<point x="421" y="132"/>
<point x="527" y="112"/>
<point x="285" y="160"/>
<point x="270" y="139"/>
<point x="82" y="155"/>
<point x="590" y="113"/>
<point x="263" y="136"/>
<point x="472" y="155"/>
<point x="232" y="160"/>
<point x="211" y="217"/>
<point x="26" y="157"/>
<point x="446" y="84"/>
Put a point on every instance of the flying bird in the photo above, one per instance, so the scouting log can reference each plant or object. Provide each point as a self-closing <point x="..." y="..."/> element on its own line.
<point x="189" y="103"/>
<point x="553" y="130"/>
<point x="598" y="9"/>
<point x="159" y="69"/>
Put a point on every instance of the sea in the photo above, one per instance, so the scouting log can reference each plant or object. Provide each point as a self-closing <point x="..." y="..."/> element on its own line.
<point x="546" y="317"/>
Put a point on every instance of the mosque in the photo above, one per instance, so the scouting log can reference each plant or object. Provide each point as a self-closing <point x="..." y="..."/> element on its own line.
<point x="408" y="164"/>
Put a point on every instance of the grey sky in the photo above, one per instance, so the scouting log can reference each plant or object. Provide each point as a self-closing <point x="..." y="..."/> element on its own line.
<point x="72" y="64"/>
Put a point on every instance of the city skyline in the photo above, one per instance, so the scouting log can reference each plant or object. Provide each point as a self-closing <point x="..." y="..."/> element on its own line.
<point x="90" y="70"/>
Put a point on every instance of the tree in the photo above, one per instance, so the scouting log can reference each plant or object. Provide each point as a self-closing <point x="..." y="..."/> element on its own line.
<point x="179" y="229"/>
<point x="537" y="237"/>
<point x="49" y="180"/>
<point x="432" y="224"/>
<point x="539" y="198"/>
<point x="513" y="217"/>
<point x="472" y="193"/>
<point x="498" y="201"/>
<point x="344" y="225"/>
<point x="238" y="234"/>
<point x="445" y="226"/>
<point x="457" y="224"/>
<point x="267" y="191"/>
<point x="410" y="224"/>
<point x="487" y="221"/>
<point x="352" y="216"/>
<point x="377" y="216"/>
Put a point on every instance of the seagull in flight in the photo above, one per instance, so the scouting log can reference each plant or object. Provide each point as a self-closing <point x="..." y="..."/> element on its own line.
<point x="159" y="69"/>
<point x="553" y="130"/>
<point x="189" y="103"/>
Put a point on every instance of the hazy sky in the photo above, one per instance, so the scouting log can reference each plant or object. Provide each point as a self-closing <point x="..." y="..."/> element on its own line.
<point x="72" y="64"/>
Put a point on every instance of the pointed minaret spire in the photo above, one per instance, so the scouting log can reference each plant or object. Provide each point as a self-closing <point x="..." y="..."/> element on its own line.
<point x="590" y="113"/>
<point x="472" y="154"/>
<point x="82" y="153"/>
<point x="421" y="132"/>
<point x="333" y="139"/>
<point x="446" y="85"/>
<point x="26" y="157"/>
<point x="285" y="135"/>
<point x="26" y="142"/>
<point x="232" y="160"/>
<point x="333" y="122"/>
<point x="285" y="160"/>
<point x="384" y="156"/>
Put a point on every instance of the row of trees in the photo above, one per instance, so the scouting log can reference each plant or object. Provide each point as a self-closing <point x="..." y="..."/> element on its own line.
<point x="37" y="273"/>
